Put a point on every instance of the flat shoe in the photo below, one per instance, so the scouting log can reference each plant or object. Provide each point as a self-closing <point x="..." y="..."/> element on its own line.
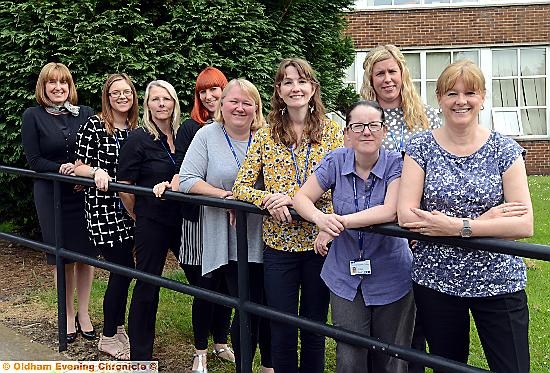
<point x="201" y="368"/>
<point x="113" y="347"/>
<point x="225" y="353"/>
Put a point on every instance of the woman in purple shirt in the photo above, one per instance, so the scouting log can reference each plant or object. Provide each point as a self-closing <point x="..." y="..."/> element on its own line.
<point x="368" y="274"/>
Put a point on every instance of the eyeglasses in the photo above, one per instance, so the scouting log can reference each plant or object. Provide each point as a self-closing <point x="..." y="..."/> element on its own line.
<point x="373" y="126"/>
<point x="117" y="94"/>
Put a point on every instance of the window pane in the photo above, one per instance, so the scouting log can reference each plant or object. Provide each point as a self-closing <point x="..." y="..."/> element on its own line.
<point x="435" y="63"/>
<point x="533" y="92"/>
<point x="431" y="98"/>
<point x="504" y="93"/>
<point x="534" y="121"/>
<point x="505" y="62"/>
<point x="413" y="63"/>
<point x="417" y="87"/>
<point x="532" y="61"/>
<point x="466" y="55"/>
<point x="436" y="1"/>
<point x="350" y="73"/>
<point x="507" y="123"/>
<point x="405" y="2"/>
<point x="382" y="2"/>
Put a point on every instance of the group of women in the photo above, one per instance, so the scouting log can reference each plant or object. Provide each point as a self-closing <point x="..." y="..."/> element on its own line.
<point x="460" y="180"/>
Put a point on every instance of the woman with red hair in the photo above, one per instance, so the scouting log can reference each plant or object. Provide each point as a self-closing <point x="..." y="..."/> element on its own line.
<point x="208" y="318"/>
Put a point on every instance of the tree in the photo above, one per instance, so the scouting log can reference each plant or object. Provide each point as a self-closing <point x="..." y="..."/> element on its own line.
<point x="171" y="40"/>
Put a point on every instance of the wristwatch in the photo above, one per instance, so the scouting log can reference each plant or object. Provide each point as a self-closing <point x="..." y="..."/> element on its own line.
<point x="466" y="230"/>
<point x="93" y="171"/>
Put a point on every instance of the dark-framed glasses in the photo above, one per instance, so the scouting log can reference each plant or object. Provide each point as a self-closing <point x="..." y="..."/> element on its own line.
<point x="373" y="126"/>
<point x="117" y="94"/>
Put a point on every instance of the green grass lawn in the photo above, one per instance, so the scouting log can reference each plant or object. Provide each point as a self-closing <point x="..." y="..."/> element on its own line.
<point x="174" y="330"/>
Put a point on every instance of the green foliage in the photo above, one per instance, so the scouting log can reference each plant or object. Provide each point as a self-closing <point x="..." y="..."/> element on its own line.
<point x="172" y="40"/>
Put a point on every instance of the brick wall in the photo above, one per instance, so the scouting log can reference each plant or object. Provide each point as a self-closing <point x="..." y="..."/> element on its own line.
<point x="510" y="25"/>
<point x="537" y="159"/>
<point x="496" y="25"/>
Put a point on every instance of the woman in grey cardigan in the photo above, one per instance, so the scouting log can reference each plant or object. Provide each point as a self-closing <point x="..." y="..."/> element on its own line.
<point x="210" y="168"/>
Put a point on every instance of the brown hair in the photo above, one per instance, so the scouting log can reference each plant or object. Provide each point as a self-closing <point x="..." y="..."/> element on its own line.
<point x="281" y="130"/>
<point x="54" y="71"/>
<point x="107" y="110"/>
<point x="413" y="108"/>
<point x="251" y="90"/>
<point x="470" y="73"/>
<point x="208" y="78"/>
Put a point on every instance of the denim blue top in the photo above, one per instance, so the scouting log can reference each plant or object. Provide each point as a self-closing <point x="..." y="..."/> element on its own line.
<point x="464" y="187"/>
<point x="390" y="257"/>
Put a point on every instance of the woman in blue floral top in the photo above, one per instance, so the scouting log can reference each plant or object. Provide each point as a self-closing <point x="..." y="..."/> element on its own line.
<point x="465" y="180"/>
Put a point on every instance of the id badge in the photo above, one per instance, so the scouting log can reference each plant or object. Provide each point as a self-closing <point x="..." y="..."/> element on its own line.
<point x="359" y="267"/>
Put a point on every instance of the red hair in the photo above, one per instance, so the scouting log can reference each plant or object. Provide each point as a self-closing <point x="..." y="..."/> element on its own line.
<point x="208" y="78"/>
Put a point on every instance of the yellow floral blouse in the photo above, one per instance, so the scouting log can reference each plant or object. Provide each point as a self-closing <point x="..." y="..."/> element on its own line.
<point x="279" y="172"/>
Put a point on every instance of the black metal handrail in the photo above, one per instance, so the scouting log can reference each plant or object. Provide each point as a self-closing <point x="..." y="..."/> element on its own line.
<point x="242" y="303"/>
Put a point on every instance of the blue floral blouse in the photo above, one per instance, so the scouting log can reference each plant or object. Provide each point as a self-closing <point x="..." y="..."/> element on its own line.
<point x="464" y="187"/>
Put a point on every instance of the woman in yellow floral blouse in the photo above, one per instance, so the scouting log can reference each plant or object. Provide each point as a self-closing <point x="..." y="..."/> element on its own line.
<point x="286" y="152"/>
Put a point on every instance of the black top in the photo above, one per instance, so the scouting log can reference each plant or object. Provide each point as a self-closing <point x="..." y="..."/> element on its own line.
<point x="185" y="135"/>
<point x="50" y="140"/>
<point x="108" y="222"/>
<point x="145" y="162"/>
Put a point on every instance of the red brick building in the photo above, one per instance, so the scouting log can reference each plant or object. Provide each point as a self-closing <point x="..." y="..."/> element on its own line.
<point x="510" y="41"/>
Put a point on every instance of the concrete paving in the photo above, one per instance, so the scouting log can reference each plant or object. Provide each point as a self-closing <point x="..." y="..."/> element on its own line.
<point x="14" y="346"/>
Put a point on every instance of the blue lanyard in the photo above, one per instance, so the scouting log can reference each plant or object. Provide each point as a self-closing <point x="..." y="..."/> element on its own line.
<point x="167" y="152"/>
<point x="116" y="138"/>
<point x="233" y="149"/>
<point x="296" y="168"/>
<point x="367" y="205"/>
<point x="400" y="146"/>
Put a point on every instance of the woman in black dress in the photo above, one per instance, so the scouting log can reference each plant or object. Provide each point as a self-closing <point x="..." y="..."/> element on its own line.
<point x="49" y="138"/>
<point x="111" y="229"/>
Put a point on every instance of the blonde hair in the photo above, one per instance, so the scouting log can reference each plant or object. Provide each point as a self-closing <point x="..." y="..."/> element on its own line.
<point x="107" y="110"/>
<point x="54" y="71"/>
<point x="148" y="123"/>
<point x="250" y="90"/>
<point x="470" y="73"/>
<point x="281" y="130"/>
<point x="413" y="108"/>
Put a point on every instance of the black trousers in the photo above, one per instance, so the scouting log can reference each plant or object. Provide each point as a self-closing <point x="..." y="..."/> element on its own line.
<point x="116" y="294"/>
<point x="293" y="284"/>
<point x="153" y="240"/>
<point x="259" y="328"/>
<point x="208" y="318"/>
<point x="502" y="322"/>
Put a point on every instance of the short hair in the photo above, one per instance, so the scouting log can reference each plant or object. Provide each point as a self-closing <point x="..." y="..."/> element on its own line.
<point x="208" y="78"/>
<point x="54" y="71"/>
<point x="250" y="90"/>
<point x="369" y="103"/>
<point x="413" y="108"/>
<point x="107" y="110"/>
<point x="148" y="123"/>
<point x="470" y="73"/>
<point x="281" y="130"/>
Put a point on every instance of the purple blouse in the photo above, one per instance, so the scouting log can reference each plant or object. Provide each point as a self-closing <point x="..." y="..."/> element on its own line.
<point x="390" y="257"/>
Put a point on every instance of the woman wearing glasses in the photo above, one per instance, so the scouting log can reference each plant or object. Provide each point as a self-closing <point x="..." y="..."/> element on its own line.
<point x="148" y="158"/>
<point x="110" y="227"/>
<point x="368" y="274"/>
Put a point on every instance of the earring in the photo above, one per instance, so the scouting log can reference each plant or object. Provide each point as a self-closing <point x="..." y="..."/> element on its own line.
<point x="283" y="111"/>
<point x="482" y="107"/>
<point x="311" y="108"/>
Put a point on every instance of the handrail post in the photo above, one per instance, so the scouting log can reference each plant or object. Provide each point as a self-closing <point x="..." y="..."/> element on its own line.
<point x="60" y="268"/>
<point x="244" y="292"/>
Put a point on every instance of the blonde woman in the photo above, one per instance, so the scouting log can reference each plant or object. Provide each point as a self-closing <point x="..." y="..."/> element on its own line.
<point x="148" y="158"/>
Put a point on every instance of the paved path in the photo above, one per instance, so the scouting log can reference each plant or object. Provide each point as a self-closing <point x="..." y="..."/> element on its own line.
<point x="14" y="346"/>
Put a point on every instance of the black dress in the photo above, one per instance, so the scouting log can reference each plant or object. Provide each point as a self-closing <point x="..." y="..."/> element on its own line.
<point x="49" y="141"/>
